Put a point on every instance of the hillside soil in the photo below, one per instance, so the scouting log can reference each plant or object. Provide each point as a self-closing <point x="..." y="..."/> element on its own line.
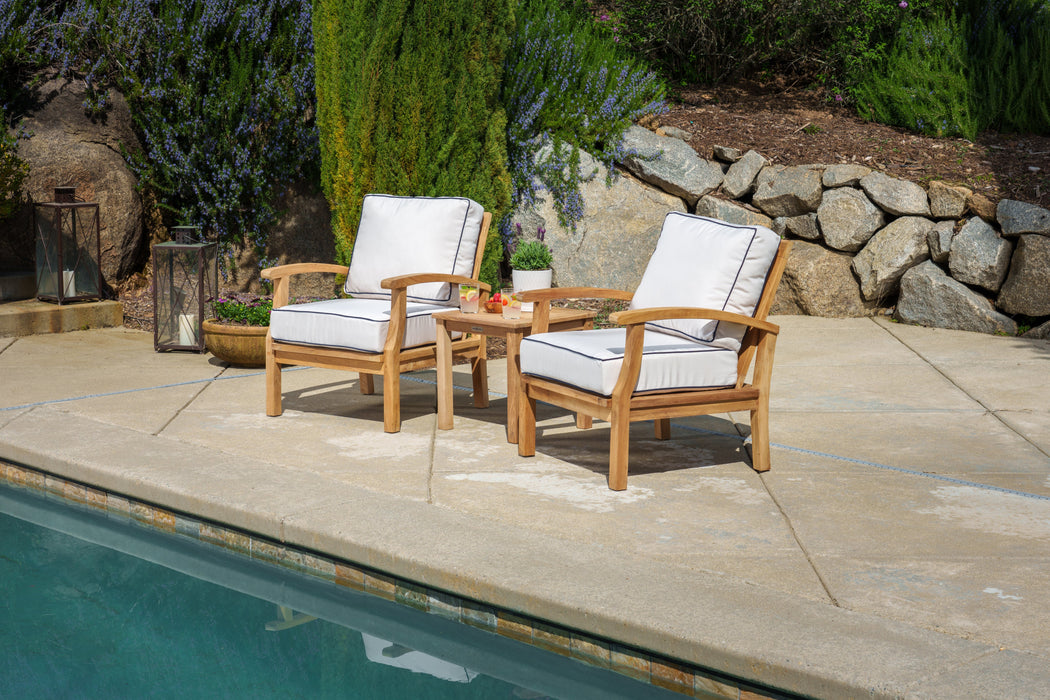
<point x="793" y="126"/>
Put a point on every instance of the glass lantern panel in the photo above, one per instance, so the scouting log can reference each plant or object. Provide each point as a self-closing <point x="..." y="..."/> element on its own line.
<point x="67" y="241"/>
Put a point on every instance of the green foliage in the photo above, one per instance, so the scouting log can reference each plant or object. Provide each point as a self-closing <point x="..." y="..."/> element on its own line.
<point x="244" y="310"/>
<point x="408" y="104"/>
<point x="921" y="82"/>
<point x="717" y="40"/>
<point x="960" y="74"/>
<point x="13" y="171"/>
<point x="531" y="255"/>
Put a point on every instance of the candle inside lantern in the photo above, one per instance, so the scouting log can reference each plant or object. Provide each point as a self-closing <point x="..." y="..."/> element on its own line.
<point x="187" y="329"/>
<point x="69" y="283"/>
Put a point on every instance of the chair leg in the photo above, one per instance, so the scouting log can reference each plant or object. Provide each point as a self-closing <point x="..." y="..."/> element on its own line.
<point x="273" y="383"/>
<point x="391" y="399"/>
<point x="760" y="436"/>
<point x="619" y="440"/>
<point x="526" y="424"/>
<point x="367" y="383"/>
<point x="583" y="421"/>
<point x="663" y="428"/>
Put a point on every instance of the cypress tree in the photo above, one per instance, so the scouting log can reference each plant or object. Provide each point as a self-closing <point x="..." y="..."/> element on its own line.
<point x="408" y="104"/>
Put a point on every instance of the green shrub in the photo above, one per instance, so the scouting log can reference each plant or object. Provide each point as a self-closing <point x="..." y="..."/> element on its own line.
<point x="408" y="104"/>
<point x="243" y="309"/>
<point x="717" y="40"/>
<point x="531" y="255"/>
<point x="921" y="82"/>
<point x="960" y="74"/>
<point x="13" y="171"/>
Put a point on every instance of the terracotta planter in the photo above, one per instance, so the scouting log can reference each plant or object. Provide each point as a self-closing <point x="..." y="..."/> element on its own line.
<point x="243" y="346"/>
<point x="524" y="280"/>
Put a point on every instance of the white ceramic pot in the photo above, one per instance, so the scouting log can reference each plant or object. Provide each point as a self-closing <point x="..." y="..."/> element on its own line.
<point x="524" y="280"/>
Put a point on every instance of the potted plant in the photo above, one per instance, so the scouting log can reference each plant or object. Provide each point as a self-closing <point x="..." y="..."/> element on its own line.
<point x="530" y="264"/>
<point x="237" y="333"/>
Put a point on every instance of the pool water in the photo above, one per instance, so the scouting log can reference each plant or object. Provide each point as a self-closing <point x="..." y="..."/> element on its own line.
<point x="96" y="607"/>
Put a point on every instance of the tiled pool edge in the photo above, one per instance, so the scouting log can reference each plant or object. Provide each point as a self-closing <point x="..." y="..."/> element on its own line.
<point x="638" y="664"/>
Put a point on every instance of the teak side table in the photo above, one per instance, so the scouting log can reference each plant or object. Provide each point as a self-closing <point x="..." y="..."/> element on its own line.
<point x="489" y="324"/>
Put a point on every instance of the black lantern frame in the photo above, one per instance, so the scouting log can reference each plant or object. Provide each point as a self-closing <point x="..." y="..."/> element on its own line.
<point x="68" y="248"/>
<point x="185" y="284"/>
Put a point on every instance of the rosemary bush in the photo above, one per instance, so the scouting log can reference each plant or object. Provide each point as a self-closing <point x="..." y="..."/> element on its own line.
<point x="222" y="95"/>
<point x="567" y="86"/>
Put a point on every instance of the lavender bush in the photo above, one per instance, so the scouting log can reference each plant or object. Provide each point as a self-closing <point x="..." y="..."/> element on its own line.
<point x="567" y="86"/>
<point x="222" y="95"/>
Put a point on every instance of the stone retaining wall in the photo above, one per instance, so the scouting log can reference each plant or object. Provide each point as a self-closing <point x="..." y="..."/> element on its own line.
<point x="867" y="243"/>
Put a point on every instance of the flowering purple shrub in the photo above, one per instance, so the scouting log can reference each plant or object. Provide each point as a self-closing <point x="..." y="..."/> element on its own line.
<point x="567" y="87"/>
<point x="222" y="95"/>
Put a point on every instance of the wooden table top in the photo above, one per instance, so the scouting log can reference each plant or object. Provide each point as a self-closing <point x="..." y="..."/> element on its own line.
<point x="486" y="320"/>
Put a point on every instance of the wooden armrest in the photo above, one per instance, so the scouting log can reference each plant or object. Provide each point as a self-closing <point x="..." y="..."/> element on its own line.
<point x="632" y="317"/>
<point x="273" y="273"/>
<point x="282" y="274"/>
<point x="402" y="281"/>
<point x="574" y="293"/>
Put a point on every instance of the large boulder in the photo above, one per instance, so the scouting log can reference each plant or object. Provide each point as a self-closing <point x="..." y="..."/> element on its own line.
<point x="1017" y="218"/>
<point x="731" y="212"/>
<point x="670" y="164"/>
<point x="740" y="178"/>
<point x="929" y="297"/>
<point x="889" y="254"/>
<point x="818" y="282"/>
<point x="947" y="201"/>
<point x="979" y="256"/>
<point x="613" y="243"/>
<point x="303" y="234"/>
<point x="788" y="191"/>
<point x="1027" y="288"/>
<point x="68" y="148"/>
<point x="898" y="197"/>
<point x="848" y="219"/>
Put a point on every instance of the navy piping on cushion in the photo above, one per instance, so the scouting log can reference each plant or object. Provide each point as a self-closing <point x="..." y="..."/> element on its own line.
<point x="687" y="351"/>
<point x="410" y="314"/>
<point x="647" y="391"/>
<point x="459" y="246"/>
<point x="736" y="278"/>
<point x="344" y="347"/>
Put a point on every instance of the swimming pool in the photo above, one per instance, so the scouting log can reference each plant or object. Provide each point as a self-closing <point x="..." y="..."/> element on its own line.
<point x="96" y="606"/>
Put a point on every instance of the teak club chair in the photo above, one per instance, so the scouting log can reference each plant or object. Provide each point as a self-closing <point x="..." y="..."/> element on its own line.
<point x="409" y="255"/>
<point x="695" y="323"/>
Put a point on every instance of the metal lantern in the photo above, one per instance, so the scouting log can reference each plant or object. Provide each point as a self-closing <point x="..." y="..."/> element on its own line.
<point x="68" y="248"/>
<point x="185" y="282"/>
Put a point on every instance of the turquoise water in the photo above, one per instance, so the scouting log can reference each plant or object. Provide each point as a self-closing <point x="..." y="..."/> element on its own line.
<point x="96" y="607"/>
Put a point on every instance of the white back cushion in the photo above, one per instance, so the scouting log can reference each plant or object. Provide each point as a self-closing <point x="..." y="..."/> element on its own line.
<point x="710" y="264"/>
<point x="407" y="235"/>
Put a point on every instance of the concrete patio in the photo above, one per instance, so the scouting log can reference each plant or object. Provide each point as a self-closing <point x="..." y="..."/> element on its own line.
<point x="898" y="547"/>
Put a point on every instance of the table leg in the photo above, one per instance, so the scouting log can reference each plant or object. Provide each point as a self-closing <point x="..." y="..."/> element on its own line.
<point x="480" y="374"/>
<point x="444" y="376"/>
<point x="513" y="384"/>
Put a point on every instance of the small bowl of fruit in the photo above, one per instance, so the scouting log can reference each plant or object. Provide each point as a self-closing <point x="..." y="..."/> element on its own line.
<point x="494" y="305"/>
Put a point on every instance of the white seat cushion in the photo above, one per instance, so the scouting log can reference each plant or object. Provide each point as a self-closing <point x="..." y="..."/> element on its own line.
<point x="408" y="235"/>
<point x="354" y="324"/>
<point x="591" y="360"/>
<point x="710" y="264"/>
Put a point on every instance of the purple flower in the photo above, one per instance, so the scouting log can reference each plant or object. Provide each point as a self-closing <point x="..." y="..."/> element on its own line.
<point x="902" y="4"/>
<point x="838" y="98"/>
